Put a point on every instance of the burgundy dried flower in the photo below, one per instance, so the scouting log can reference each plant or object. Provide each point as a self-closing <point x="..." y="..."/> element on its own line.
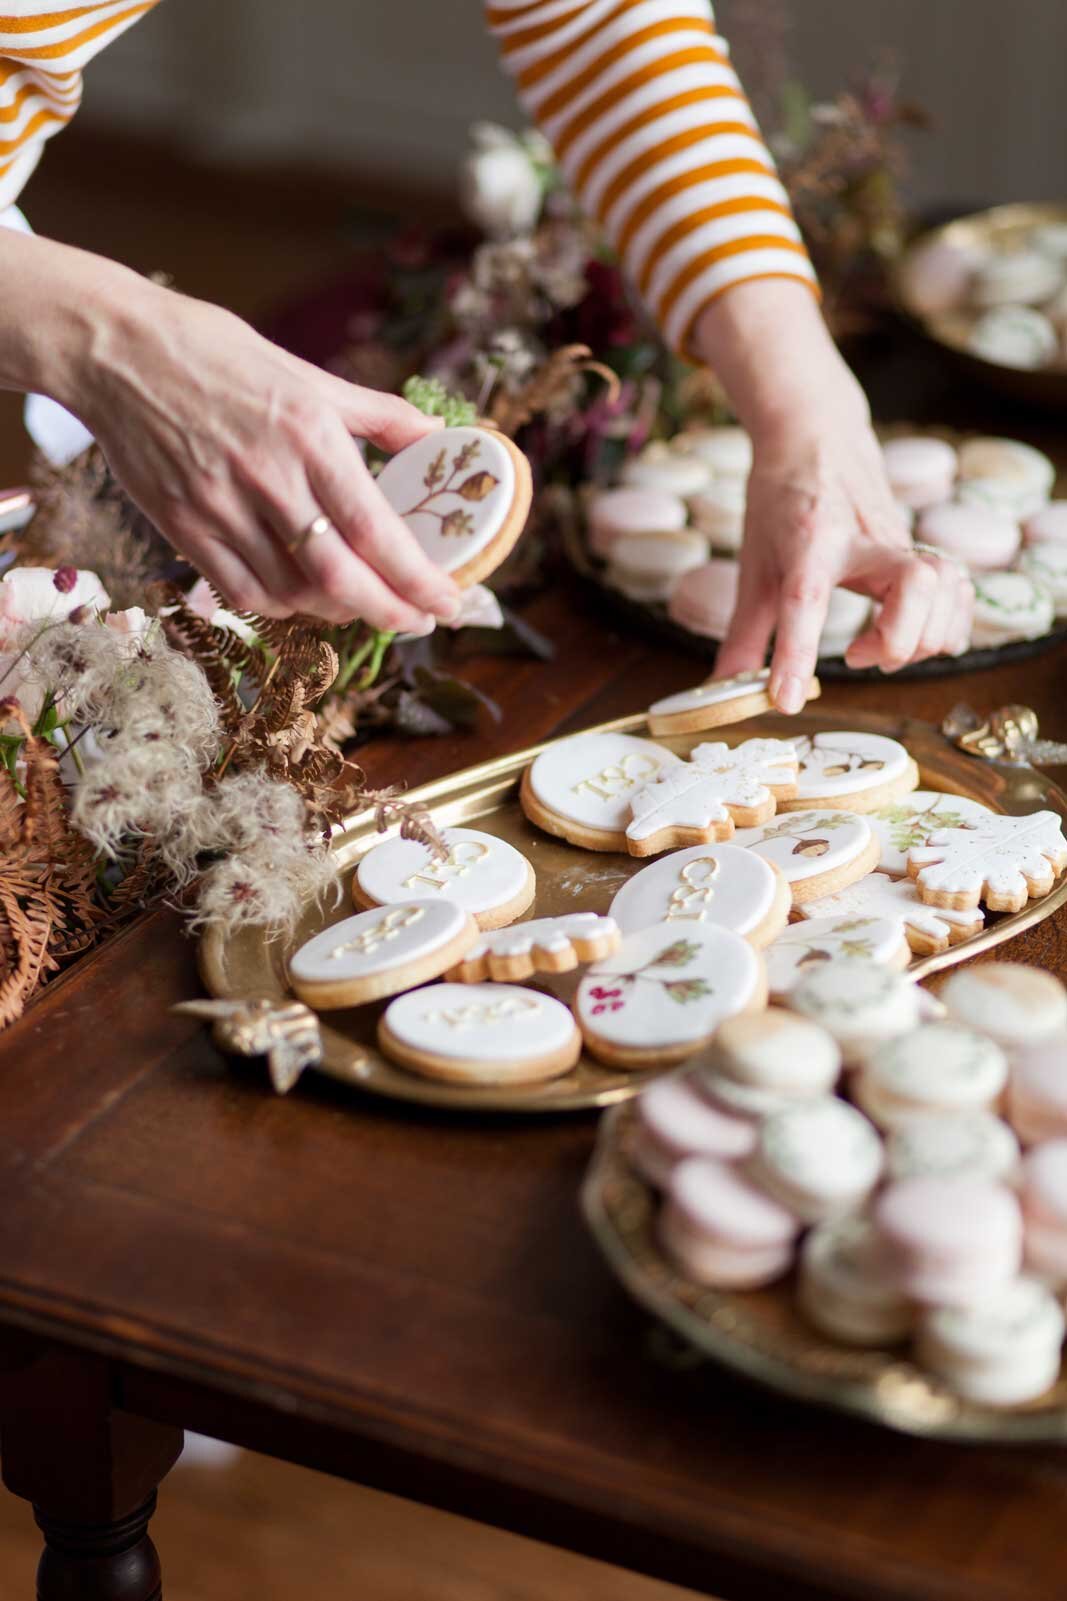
<point x="80" y="614"/>
<point x="8" y="705"/>
<point x="65" y="579"/>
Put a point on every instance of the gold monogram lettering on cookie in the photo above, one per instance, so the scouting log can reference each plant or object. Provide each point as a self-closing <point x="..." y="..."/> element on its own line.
<point x="480" y="1014"/>
<point x="619" y="776"/>
<point x="366" y="943"/>
<point x="691" y="899"/>
<point x="462" y="856"/>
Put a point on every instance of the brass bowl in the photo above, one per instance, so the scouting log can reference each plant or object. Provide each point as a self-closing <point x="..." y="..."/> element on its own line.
<point x="998" y="229"/>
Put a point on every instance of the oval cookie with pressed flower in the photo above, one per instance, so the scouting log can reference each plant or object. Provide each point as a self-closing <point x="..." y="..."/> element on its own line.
<point x="480" y="1034"/>
<point x="483" y="875"/>
<point x="381" y="952"/>
<point x="465" y="495"/>
<point x="663" y="994"/>
<point x="817" y="852"/>
<point x="908" y="822"/>
<point x="857" y="771"/>
<point x="581" y="788"/>
<point x="707" y="886"/>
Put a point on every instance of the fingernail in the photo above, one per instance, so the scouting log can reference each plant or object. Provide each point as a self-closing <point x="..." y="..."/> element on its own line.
<point x="427" y="626"/>
<point x="789" y="694"/>
<point x="448" y="610"/>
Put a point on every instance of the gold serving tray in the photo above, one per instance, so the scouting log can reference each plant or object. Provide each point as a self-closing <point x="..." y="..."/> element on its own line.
<point x="999" y="228"/>
<point x="571" y="880"/>
<point x="762" y="1335"/>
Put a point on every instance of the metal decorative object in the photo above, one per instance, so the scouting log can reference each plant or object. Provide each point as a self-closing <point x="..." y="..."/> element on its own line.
<point x="285" y="1032"/>
<point x="1011" y="735"/>
<point x="761" y="1334"/>
<point x="571" y="880"/>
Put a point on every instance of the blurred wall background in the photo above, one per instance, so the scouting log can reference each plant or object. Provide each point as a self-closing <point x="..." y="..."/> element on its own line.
<point x="388" y="87"/>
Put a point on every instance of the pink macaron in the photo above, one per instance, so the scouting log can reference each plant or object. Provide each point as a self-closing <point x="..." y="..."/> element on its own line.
<point x="1037" y="1093"/>
<point x="949" y="1241"/>
<point x="674" y="1122"/>
<point x="1047" y="526"/>
<point x="1044" y="1198"/>
<point x="983" y="539"/>
<point x="921" y="470"/>
<point x="721" y="1230"/>
<point x="704" y="598"/>
<point x="615" y="512"/>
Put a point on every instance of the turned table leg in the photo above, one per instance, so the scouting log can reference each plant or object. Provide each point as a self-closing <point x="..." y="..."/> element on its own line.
<point x="90" y="1471"/>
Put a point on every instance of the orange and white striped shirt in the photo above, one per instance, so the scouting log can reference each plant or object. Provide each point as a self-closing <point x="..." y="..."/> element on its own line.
<point x="653" y="132"/>
<point x="43" y="48"/>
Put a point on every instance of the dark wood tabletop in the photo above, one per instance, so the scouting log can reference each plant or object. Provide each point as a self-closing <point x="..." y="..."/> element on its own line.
<point x="411" y="1300"/>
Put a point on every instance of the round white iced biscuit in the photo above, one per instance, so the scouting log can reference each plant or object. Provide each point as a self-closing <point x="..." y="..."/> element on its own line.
<point x="912" y="819"/>
<point x="969" y="1144"/>
<point x="804" y="845"/>
<point x="455" y="490"/>
<point x="660" y="467"/>
<point x="480" y="1033"/>
<point x="848" y="764"/>
<point x="1012" y="1003"/>
<point x="665" y="992"/>
<point x="480" y="873"/>
<point x="861" y="1002"/>
<point x="804" y="946"/>
<point x="1014" y="336"/>
<point x="705" y="886"/>
<point x="1046" y="564"/>
<point x="590" y="780"/>
<point x="1009" y="606"/>
<point x="1002" y="1351"/>
<point x="373" y="950"/>
<point x="777" y="1052"/>
<point x="818" y="1159"/>
<point x="842" y="1287"/>
<point x="939" y="1067"/>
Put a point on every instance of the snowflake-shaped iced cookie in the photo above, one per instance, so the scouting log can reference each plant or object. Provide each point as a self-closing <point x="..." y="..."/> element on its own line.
<point x="719" y="787"/>
<point x="1003" y="861"/>
<point x="543" y="945"/>
<point x="928" y="928"/>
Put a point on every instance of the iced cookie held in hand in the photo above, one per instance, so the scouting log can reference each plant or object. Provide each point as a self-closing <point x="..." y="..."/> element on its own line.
<point x="716" y="704"/>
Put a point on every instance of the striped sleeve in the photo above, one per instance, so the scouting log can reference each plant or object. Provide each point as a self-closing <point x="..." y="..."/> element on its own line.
<point x="43" y="49"/>
<point x="653" y="132"/>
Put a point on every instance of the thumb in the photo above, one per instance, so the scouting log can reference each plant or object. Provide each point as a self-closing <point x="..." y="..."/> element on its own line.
<point x="386" y="420"/>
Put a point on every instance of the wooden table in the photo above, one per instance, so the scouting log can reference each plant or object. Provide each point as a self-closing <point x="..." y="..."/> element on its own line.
<point x="412" y="1301"/>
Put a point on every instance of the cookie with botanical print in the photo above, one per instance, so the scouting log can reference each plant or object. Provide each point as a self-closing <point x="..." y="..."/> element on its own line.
<point x="718" y="788"/>
<point x="803" y="946"/>
<point x="908" y="822"/>
<point x="818" y="852"/>
<point x="928" y="929"/>
<point x="480" y="1034"/>
<point x="1003" y="861"/>
<point x="664" y="993"/>
<point x="581" y="788"/>
<point x="484" y="875"/>
<point x="465" y="495"/>
<point x="716" y="704"/>
<point x="857" y="771"/>
<point x="719" y="886"/>
<point x="543" y="945"/>
<point x="381" y="952"/>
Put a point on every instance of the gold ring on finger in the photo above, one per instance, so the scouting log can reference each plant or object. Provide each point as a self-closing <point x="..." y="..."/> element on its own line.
<point x="318" y="525"/>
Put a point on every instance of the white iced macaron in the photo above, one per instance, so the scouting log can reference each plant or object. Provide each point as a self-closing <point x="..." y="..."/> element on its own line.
<point x="719" y="512"/>
<point x="938" y="1068"/>
<point x="861" y="1003"/>
<point x="1009" y="606"/>
<point x="936" y="276"/>
<point x="846" y="618"/>
<point x="842" y="1287"/>
<point x="720" y="1229"/>
<point x="1037" y="1095"/>
<point x="1044" y="1202"/>
<point x="727" y="451"/>
<point x="1011" y="1002"/>
<point x="1050" y="239"/>
<point x="614" y="513"/>
<point x="819" y="1159"/>
<point x="660" y="467"/>
<point x="954" y="1145"/>
<point x="1046" y="564"/>
<point x="1048" y="525"/>
<point x="921" y="469"/>
<point x="975" y="535"/>
<point x="1001" y="1352"/>
<point x="704" y="598"/>
<point x="646" y="567"/>
<point x="768" y="1060"/>
<point x="674" y="1121"/>
<point x="1004" y="474"/>
<point x="1016" y="278"/>
<point x="1014" y="336"/>
<point x="949" y="1241"/>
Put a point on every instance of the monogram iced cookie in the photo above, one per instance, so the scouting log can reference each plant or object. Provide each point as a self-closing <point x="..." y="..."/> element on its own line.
<point x="465" y="495"/>
<point x="705" y="798"/>
<point x="544" y="945"/>
<point x="857" y="771"/>
<point x="706" y="886"/>
<point x="909" y="822"/>
<point x="480" y="1034"/>
<point x="928" y="929"/>
<point x="381" y="952"/>
<point x="1003" y="861"/>
<point x="817" y="852"/>
<point x="483" y="875"/>
<point x="716" y="704"/>
<point x="664" y="993"/>
<point x="803" y="946"/>
<point x="582" y="788"/>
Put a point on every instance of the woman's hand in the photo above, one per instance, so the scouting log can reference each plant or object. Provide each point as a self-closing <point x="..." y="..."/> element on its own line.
<point x="820" y="512"/>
